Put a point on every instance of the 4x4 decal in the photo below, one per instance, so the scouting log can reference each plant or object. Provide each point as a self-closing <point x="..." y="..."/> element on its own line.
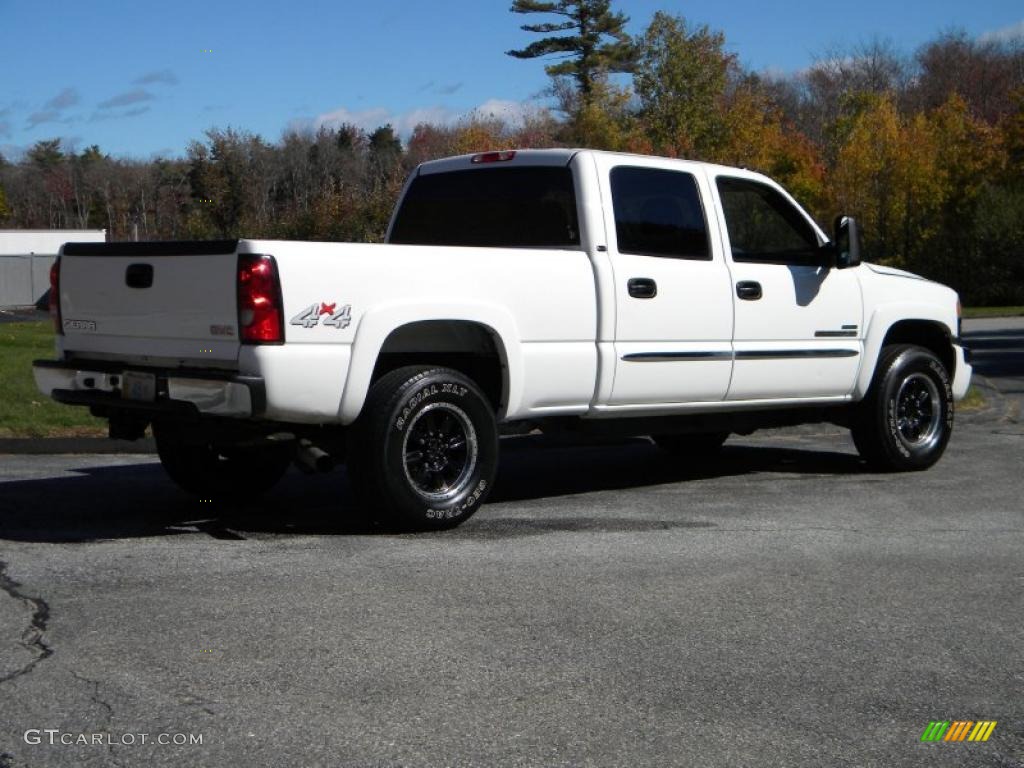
<point x="336" y="318"/>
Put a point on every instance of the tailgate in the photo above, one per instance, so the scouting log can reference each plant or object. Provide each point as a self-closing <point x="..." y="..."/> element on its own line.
<point x="174" y="301"/>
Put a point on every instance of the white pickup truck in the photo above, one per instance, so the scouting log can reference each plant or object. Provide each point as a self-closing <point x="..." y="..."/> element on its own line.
<point x="553" y="289"/>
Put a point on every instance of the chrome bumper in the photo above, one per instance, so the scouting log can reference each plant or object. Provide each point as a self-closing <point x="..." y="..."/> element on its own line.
<point x="180" y="392"/>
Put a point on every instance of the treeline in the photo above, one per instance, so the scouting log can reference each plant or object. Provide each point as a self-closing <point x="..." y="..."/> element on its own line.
<point x="925" y="149"/>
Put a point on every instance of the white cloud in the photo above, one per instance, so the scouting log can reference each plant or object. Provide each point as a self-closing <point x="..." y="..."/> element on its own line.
<point x="1009" y="34"/>
<point x="405" y="122"/>
<point x="66" y="98"/>
<point x="133" y="96"/>
<point x="161" y="76"/>
<point x="13" y="153"/>
<point x="44" y="116"/>
<point x="503" y="109"/>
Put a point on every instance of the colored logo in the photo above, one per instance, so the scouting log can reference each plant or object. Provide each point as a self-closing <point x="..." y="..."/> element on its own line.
<point x="958" y="730"/>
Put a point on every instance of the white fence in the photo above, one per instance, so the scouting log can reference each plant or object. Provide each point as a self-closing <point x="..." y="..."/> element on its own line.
<point x="23" y="279"/>
<point x="25" y="259"/>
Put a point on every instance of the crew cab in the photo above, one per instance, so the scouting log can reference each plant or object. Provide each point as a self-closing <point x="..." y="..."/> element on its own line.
<point x="559" y="290"/>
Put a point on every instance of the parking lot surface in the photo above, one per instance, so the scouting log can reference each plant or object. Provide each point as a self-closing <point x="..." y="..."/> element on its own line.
<point x="611" y="606"/>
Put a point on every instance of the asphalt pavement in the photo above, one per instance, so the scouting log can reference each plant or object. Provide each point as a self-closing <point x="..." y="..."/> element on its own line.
<point x="610" y="606"/>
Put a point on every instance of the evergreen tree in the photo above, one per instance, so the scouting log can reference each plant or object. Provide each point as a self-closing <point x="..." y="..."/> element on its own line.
<point x="597" y="46"/>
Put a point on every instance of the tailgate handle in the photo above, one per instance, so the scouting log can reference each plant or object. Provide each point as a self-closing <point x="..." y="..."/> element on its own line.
<point x="139" y="276"/>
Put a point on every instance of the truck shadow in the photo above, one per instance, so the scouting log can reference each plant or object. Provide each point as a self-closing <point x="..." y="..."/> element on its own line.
<point x="137" y="501"/>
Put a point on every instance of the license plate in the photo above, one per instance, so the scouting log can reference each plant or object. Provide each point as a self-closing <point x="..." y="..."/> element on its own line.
<point x="138" y="386"/>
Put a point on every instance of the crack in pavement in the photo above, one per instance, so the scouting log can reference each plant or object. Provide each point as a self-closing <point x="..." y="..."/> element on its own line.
<point x="33" y="638"/>
<point x="94" y="697"/>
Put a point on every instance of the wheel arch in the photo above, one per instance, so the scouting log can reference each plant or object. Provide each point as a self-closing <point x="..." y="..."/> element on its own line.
<point x="931" y="332"/>
<point x="480" y="342"/>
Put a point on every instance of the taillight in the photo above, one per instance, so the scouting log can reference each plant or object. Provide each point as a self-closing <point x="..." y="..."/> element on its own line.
<point x="260" y="309"/>
<point x="55" y="296"/>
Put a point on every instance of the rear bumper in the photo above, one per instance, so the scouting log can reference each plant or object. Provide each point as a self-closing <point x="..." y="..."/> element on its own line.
<point x="179" y="392"/>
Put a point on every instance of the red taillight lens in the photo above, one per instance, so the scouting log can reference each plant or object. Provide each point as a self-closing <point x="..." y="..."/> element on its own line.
<point x="260" y="310"/>
<point x="55" y="295"/>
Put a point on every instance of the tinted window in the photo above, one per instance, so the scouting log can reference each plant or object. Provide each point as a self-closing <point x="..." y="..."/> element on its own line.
<point x="763" y="225"/>
<point x="498" y="207"/>
<point x="658" y="213"/>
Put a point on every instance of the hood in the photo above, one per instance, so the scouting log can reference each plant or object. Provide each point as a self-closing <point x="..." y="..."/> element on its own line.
<point x="893" y="272"/>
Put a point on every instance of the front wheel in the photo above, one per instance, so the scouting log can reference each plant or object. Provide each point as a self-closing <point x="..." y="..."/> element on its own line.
<point x="906" y="419"/>
<point x="424" y="452"/>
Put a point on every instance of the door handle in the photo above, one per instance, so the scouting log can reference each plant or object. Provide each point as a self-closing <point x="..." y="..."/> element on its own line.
<point x="748" y="290"/>
<point x="642" y="288"/>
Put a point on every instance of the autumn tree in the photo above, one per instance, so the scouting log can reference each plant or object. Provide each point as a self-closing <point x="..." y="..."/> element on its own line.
<point x="756" y="135"/>
<point x="681" y="77"/>
<point x="885" y="176"/>
<point x="984" y="74"/>
<point x="597" y="45"/>
<point x="967" y="156"/>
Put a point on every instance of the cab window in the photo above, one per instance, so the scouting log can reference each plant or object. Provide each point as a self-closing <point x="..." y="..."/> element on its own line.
<point x="764" y="226"/>
<point x="658" y="213"/>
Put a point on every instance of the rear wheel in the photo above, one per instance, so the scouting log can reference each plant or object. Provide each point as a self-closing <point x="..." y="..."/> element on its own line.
<point x="211" y="471"/>
<point x="700" y="445"/>
<point x="906" y="419"/>
<point x="424" y="452"/>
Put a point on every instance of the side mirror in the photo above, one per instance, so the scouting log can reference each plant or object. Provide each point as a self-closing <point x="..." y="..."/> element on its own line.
<point x="846" y="242"/>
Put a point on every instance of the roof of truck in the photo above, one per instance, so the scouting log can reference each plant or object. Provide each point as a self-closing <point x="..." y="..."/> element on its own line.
<point x="550" y="157"/>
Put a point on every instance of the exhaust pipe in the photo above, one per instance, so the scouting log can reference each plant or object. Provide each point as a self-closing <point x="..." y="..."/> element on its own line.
<point x="311" y="459"/>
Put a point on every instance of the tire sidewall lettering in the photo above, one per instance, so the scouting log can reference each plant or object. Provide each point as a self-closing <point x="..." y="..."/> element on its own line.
<point x="451" y="513"/>
<point x="424" y="394"/>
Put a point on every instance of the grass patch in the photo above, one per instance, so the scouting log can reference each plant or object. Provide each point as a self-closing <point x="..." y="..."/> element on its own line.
<point x="24" y="411"/>
<point x="975" y="312"/>
<point x="973" y="401"/>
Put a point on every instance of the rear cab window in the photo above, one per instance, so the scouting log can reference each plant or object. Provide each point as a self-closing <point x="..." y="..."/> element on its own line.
<point x="518" y="207"/>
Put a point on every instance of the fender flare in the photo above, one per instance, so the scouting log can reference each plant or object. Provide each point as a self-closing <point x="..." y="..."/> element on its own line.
<point x="378" y="322"/>
<point x="881" y="322"/>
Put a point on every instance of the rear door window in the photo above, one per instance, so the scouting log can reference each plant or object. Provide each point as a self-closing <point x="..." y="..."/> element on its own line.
<point x="658" y="213"/>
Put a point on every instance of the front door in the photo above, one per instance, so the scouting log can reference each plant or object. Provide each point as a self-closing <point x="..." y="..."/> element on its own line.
<point x="799" y="325"/>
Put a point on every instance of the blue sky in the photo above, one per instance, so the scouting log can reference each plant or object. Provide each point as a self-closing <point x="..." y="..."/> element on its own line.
<point x="143" y="78"/>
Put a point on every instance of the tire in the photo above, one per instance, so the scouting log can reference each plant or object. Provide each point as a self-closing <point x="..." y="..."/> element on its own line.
<point x="905" y="420"/>
<point x="700" y="445"/>
<point x="209" y="471"/>
<point x="424" y="452"/>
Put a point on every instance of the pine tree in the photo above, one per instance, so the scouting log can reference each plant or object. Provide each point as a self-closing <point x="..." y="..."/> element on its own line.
<point x="598" y="45"/>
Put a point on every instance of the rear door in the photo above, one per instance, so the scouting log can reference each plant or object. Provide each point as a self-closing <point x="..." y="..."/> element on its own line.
<point x="673" y="303"/>
<point x="151" y="302"/>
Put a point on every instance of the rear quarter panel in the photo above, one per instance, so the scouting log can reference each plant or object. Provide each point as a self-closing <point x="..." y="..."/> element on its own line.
<point x="539" y="304"/>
